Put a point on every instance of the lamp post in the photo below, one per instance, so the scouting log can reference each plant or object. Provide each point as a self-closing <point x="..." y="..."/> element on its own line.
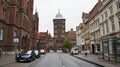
<point x="16" y="40"/>
<point x="94" y="43"/>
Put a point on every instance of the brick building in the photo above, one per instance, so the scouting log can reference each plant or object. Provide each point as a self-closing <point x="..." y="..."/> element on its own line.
<point x="43" y="40"/>
<point x="59" y="30"/>
<point x="71" y="35"/>
<point x="17" y="21"/>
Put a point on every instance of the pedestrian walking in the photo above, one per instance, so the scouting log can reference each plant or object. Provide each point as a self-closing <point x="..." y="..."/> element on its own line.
<point x="85" y="54"/>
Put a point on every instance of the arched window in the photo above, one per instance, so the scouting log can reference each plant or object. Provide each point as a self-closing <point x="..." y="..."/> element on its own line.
<point x="1" y="33"/>
<point x="15" y="33"/>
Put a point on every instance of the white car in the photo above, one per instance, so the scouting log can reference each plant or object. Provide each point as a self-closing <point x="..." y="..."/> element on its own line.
<point x="74" y="51"/>
<point x="42" y="51"/>
<point x="51" y="51"/>
<point x="59" y="51"/>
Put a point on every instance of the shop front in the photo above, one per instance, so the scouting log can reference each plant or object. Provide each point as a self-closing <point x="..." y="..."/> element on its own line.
<point x="95" y="47"/>
<point x="111" y="49"/>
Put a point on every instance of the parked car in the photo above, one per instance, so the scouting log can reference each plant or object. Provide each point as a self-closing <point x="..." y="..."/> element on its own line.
<point x="74" y="51"/>
<point x="59" y="50"/>
<point x="42" y="51"/>
<point x="51" y="51"/>
<point x="26" y="56"/>
<point x="37" y="53"/>
<point x="65" y="50"/>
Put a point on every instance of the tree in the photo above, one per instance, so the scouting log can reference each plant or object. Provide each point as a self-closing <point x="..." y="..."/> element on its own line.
<point x="67" y="44"/>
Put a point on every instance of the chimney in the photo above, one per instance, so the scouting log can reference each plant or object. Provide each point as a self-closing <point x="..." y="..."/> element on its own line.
<point x="47" y="32"/>
<point x="71" y="29"/>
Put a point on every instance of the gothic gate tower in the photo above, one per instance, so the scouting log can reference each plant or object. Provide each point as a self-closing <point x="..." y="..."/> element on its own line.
<point x="59" y="30"/>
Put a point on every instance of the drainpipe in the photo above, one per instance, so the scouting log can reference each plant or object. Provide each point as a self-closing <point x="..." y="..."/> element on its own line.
<point x="94" y="43"/>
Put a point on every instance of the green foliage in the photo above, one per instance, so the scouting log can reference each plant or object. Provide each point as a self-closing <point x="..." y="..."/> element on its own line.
<point x="67" y="44"/>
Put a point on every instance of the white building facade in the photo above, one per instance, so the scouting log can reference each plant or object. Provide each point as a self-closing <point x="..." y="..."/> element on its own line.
<point x="79" y="40"/>
<point x="109" y="15"/>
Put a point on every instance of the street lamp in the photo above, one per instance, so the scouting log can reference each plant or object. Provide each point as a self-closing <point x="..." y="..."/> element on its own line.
<point x="16" y="40"/>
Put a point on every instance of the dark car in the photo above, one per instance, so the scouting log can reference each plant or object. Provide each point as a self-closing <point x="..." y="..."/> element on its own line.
<point x="37" y="53"/>
<point x="26" y="56"/>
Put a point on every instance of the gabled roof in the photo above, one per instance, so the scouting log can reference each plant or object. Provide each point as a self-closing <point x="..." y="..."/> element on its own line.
<point x="95" y="8"/>
<point x="85" y="15"/>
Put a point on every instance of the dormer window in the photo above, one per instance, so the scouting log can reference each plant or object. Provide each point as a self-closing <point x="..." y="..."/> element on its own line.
<point x="106" y="15"/>
<point x="118" y="4"/>
<point x="1" y="33"/>
<point x="27" y="4"/>
<point x="111" y="9"/>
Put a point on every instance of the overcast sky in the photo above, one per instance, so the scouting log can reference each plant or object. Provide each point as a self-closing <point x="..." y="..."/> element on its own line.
<point x="70" y="9"/>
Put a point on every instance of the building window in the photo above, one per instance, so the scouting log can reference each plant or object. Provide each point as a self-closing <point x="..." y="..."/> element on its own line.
<point x="1" y="34"/>
<point x="107" y="28"/>
<point x="111" y="9"/>
<point x="112" y="24"/>
<point x="103" y="28"/>
<point x="55" y="31"/>
<point x="106" y="14"/>
<point x="119" y="21"/>
<point x="118" y="4"/>
<point x="102" y="17"/>
<point x="4" y="14"/>
<point x="15" y="33"/>
<point x="106" y="47"/>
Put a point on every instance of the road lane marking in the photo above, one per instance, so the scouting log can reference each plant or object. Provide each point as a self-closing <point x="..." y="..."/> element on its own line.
<point x="63" y="65"/>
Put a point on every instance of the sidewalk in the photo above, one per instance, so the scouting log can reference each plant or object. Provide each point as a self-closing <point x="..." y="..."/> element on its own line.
<point x="6" y="59"/>
<point x="95" y="59"/>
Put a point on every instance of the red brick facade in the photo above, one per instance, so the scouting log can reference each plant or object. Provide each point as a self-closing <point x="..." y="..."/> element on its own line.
<point x="71" y="35"/>
<point x="43" y="40"/>
<point x="17" y="20"/>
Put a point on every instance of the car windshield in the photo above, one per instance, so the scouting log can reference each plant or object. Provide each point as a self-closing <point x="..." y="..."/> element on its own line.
<point x="36" y="51"/>
<point x="26" y="52"/>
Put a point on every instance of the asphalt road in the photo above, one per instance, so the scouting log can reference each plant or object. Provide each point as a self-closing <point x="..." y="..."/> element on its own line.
<point x="23" y="64"/>
<point x="61" y="60"/>
<point x="53" y="60"/>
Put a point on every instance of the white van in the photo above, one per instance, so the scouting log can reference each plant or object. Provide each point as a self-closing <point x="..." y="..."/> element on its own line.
<point x="74" y="51"/>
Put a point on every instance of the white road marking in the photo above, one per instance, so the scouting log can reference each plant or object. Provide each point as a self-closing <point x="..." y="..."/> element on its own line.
<point x="63" y="65"/>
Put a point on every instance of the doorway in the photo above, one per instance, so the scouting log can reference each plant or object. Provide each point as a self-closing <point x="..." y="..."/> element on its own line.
<point x="93" y="49"/>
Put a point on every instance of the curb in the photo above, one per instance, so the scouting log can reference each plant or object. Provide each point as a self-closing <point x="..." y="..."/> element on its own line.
<point x="89" y="61"/>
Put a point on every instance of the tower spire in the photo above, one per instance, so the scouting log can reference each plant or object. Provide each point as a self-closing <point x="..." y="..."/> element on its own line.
<point x="58" y="10"/>
<point x="36" y="13"/>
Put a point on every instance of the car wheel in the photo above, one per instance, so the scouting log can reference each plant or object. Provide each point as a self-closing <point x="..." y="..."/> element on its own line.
<point x="30" y="59"/>
<point x="17" y="60"/>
